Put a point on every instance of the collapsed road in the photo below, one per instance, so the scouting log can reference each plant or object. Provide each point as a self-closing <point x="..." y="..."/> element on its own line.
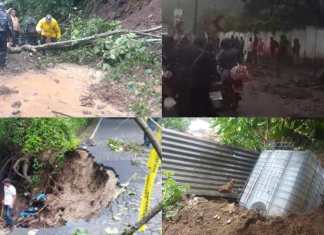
<point x="131" y="171"/>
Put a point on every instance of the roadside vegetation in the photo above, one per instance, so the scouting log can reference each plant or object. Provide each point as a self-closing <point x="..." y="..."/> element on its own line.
<point x="32" y="148"/>
<point x="260" y="133"/>
<point x="129" y="60"/>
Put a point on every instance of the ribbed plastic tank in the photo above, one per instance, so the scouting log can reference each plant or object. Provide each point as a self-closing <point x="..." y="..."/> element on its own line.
<point x="284" y="182"/>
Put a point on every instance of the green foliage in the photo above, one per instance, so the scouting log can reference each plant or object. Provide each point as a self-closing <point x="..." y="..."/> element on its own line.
<point x="60" y="9"/>
<point x="80" y="232"/>
<point x="258" y="133"/>
<point x="81" y="28"/>
<point x="180" y="124"/>
<point x="32" y="137"/>
<point x="172" y="193"/>
<point x="125" y="49"/>
<point x="115" y="52"/>
<point x="119" y="146"/>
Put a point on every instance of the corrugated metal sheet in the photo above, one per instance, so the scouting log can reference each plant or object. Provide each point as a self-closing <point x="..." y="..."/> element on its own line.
<point x="284" y="182"/>
<point x="205" y="165"/>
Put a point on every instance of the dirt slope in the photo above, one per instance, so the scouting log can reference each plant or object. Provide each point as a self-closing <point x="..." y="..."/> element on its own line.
<point x="223" y="218"/>
<point x="134" y="14"/>
<point x="81" y="190"/>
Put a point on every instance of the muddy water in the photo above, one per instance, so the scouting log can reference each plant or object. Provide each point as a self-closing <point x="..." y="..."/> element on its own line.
<point x="57" y="91"/>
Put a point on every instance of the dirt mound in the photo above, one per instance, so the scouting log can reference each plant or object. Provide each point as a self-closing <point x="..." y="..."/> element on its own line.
<point x="82" y="189"/>
<point x="210" y="217"/>
<point x="134" y="14"/>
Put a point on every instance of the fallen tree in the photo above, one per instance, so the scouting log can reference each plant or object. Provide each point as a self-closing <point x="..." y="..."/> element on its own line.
<point x="83" y="41"/>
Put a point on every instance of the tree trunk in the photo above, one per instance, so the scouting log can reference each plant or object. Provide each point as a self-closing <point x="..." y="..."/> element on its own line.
<point x="82" y="41"/>
<point x="145" y="220"/>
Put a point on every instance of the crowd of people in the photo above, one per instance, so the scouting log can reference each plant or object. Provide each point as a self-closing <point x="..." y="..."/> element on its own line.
<point x="255" y="49"/>
<point x="46" y="30"/>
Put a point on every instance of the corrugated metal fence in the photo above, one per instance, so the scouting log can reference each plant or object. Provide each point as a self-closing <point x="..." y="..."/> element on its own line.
<point x="206" y="165"/>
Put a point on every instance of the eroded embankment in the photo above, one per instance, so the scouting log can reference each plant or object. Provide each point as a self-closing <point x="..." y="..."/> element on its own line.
<point x="80" y="190"/>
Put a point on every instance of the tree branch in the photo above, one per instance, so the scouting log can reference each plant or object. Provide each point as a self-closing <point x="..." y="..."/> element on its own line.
<point x="82" y="41"/>
<point x="156" y="210"/>
<point x="16" y="166"/>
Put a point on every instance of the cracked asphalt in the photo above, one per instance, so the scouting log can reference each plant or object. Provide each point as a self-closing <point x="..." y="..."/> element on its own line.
<point x="131" y="169"/>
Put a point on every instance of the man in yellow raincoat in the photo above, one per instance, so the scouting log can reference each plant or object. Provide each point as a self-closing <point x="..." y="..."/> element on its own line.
<point x="49" y="29"/>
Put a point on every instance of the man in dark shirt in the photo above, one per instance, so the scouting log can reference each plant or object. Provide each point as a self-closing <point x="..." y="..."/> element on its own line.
<point x="5" y="33"/>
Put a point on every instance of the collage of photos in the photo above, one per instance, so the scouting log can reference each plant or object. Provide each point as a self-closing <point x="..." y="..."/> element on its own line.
<point x="162" y="117"/>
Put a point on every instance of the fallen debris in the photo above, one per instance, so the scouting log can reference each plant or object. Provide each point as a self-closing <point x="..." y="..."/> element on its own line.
<point x="4" y="90"/>
<point x="83" y="41"/>
<point x="241" y="221"/>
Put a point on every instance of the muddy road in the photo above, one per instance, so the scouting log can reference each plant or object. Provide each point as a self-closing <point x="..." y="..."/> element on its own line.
<point x="30" y="88"/>
<point x="298" y="92"/>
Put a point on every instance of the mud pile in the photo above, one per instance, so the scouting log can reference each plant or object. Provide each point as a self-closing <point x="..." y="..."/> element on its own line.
<point x="82" y="189"/>
<point x="210" y="217"/>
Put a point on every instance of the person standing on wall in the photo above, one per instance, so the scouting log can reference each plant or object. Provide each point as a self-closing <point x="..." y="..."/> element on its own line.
<point x="9" y="201"/>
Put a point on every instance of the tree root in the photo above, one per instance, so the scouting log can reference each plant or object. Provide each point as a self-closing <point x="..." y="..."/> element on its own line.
<point x="25" y="167"/>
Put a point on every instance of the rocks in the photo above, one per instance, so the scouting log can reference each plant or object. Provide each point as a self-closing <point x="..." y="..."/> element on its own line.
<point x="16" y="104"/>
<point x="197" y="200"/>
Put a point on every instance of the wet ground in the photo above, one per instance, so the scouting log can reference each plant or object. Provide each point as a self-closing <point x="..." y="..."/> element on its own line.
<point x="52" y="90"/>
<point x="31" y="86"/>
<point x="131" y="170"/>
<point x="297" y="92"/>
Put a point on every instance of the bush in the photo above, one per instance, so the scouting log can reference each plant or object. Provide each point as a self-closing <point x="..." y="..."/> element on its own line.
<point x="117" y="52"/>
<point x="32" y="137"/>
<point x="80" y="28"/>
<point x="172" y="193"/>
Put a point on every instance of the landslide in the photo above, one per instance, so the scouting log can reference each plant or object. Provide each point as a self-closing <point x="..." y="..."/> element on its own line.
<point x="221" y="217"/>
<point x="134" y="14"/>
<point x="80" y="190"/>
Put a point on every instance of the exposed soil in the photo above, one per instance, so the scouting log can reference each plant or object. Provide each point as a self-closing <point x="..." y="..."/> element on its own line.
<point x="220" y="217"/>
<point x="59" y="90"/>
<point x="134" y="14"/>
<point x="297" y="92"/>
<point x="80" y="190"/>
